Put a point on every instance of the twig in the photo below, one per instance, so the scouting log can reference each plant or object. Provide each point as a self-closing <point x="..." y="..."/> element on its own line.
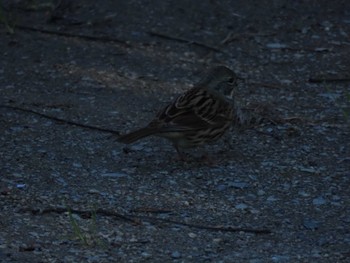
<point x="207" y="227"/>
<point x="266" y="85"/>
<point x="328" y="79"/>
<point x="82" y="36"/>
<point x="184" y="40"/>
<point x="232" y="36"/>
<point x="136" y="219"/>
<point x="301" y="49"/>
<point x="59" y="119"/>
<point x="151" y="210"/>
<point x="85" y="213"/>
<point x="295" y="118"/>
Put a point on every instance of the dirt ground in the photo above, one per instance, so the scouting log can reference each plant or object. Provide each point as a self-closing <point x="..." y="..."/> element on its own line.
<point x="75" y="74"/>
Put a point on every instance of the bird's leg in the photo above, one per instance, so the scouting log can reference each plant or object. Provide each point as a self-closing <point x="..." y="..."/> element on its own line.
<point x="182" y="156"/>
<point x="206" y="158"/>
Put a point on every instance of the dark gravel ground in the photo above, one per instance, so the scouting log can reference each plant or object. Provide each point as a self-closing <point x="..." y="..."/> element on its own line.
<point x="70" y="193"/>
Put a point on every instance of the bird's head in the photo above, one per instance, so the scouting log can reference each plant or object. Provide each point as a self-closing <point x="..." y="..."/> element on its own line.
<point x="220" y="79"/>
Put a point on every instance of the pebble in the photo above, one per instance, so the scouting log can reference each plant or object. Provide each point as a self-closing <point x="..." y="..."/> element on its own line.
<point x="271" y="198"/>
<point x="114" y="174"/>
<point x="280" y="258"/>
<point x="239" y="185"/>
<point x="21" y="186"/>
<point x="261" y="192"/>
<point x="176" y="254"/>
<point x="276" y="45"/>
<point x="311" y="224"/>
<point x="221" y="187"/>
<point x="241" y="206"/>
<point x="93" y="191"/>
<point x="319" y="201"/>
<point x="336" y="198"/>
<point x="192" y="235"/>
<point x="137" y="147"/>
<point x="146" y="255"/>
<point x="16" y="128"/>
<point x="307" y="169"/>
<point x="77" y="165"/>
<point x="303" y="193"/>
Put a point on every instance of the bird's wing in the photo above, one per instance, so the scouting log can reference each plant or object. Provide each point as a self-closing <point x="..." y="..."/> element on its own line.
<point x="195" y="109"/>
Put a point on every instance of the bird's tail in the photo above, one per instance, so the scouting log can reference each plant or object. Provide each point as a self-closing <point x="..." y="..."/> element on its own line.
<point x="136" y="135"/>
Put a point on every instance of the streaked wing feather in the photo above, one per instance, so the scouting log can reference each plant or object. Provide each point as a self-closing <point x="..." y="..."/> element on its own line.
<point x="195" y="109"/>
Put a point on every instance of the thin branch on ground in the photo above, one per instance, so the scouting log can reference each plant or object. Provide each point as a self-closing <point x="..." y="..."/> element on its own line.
<point x="83" y="213"/>
<point x="266" y="85"/>
<point x="184" y="40"/>
<point x="328" y="79"/>
<point x="207" y="227"/>
<point x="301" y="49"/>
<point x="240" y="36"/>
<point x="151" y="210"/>
<point x="67" y="34"/>
<point x="280" y="120"/>
<point x="56" y="119"/>
<point x="135" y="219"/>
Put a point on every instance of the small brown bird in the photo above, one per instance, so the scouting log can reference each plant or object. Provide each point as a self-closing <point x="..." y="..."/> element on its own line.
<point x="200" y="115"/>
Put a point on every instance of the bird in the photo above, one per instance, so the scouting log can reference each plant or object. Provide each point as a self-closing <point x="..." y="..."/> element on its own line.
<point x="199" y="116"/>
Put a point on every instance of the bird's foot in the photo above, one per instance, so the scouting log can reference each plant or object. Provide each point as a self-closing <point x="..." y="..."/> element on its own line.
<point x="207" y="159"/>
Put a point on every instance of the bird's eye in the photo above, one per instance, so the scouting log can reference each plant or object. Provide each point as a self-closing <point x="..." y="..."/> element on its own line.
<point x="231" y="81"/>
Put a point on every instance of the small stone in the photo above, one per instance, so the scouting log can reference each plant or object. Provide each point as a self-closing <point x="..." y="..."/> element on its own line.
<point x="148" y="149"/>
<point x="271" y="198"/>
<point x="77" y="165"/>
<point x="330" y="95"/>
<point x="261" y="192"/>
<point x="21" y="186"/>
<point x="176" y="254"/>
<point x="307" y="169"/>
<point x="267" y="163"/>
<point x="286" y="186"/>
<point x="221" y="187"/>
<point x="241" y="206"/>
<point x="16" y="128"/>
<point x="276" y="45"/>
<point x="280" y="258"/>
<point x="311" y="224"/>
<point x="115" y="175"/>
<point x="319" y="201"/>
<point x="287" y="82"/>
<point x="93" y="191"/>
<point x="303" y="193"/>
<point x="137" y="147"/>
<point x="192" y="235"/>
<point x="336" y="198"/>
<point x="239" y="185"/>
<point x="321" y="49"/>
